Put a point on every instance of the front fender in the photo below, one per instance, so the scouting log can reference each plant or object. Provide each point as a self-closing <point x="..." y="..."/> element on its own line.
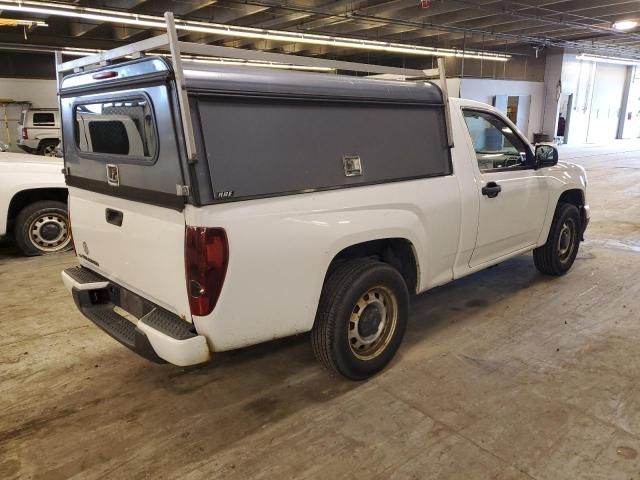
<point x="562" y="178"/>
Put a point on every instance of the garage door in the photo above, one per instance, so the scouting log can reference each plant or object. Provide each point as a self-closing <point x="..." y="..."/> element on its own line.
<point x="605" y="102"/>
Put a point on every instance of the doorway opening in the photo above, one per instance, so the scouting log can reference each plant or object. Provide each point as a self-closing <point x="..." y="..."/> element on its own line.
<point x="564" y="114"/>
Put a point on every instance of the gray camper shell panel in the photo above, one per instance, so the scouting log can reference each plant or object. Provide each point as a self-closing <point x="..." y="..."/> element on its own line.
<point x="266" y="132"/>
<point x="124" y="122"/>
<point x="257" y="81"/>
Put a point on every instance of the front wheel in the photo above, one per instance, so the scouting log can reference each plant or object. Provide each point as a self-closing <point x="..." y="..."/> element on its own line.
<point x="43" y="227"/>
<point x="361" y="319"/>
<point x="557" y="255"/>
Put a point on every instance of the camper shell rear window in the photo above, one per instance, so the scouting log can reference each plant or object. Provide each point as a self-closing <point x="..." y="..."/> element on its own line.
<point x="123" y="127"/>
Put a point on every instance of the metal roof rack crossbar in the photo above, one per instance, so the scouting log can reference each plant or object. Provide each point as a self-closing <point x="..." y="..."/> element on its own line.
<point x="169" y="42"/>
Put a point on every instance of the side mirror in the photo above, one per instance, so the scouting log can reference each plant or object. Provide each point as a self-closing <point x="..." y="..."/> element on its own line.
<point x="546" y="156"/>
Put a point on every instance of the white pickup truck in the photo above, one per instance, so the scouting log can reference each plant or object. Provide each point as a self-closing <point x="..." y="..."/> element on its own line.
<point x="33" y="203"/>
<point x="266" y="203"/>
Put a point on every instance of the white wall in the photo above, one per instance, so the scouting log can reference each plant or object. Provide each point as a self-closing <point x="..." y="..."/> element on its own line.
<point x="41" y="93"/>
<point x="483" y="90"/>
<point x="553" y="85"/>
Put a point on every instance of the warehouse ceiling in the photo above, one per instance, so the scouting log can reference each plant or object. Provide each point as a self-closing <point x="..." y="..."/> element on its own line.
<point x="484" y="25"/>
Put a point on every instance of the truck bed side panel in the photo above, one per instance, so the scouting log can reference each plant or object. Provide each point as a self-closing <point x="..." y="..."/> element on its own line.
<point x="280" y="249"/>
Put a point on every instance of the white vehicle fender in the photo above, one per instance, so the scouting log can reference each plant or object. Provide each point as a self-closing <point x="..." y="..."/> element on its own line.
<point x="562" y="178"/>
<point x="400" y="224"/>
<point x="7" y="196"/>
<point x="18" y="177"/>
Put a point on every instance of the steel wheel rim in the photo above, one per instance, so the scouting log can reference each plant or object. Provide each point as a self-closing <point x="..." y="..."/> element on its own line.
<point x="372" y="323"/>
<point x="566" y="239"/>
<point x="50" y="150"/>
<point x="49" y="232"/>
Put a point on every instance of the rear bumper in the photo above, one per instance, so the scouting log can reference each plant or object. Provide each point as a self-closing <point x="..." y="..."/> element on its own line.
<point x="26" y="148"/>
<point x="148" y="330"/>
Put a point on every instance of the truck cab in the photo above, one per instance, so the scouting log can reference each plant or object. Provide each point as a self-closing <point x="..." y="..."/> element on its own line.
<point x="518" y="184"/>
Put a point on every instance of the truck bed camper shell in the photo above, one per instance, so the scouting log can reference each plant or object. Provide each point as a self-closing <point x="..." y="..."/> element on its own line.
<point x="247" y="132"/>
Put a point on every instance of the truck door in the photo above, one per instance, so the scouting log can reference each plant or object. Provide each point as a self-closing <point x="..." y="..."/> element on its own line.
<point x="513" y="196"/>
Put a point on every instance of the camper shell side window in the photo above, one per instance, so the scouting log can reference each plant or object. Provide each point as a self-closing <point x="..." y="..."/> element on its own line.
<point x="117" y="127"/>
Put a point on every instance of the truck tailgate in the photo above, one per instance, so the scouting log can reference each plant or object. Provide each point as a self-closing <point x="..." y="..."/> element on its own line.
<point x="136" y="245"/>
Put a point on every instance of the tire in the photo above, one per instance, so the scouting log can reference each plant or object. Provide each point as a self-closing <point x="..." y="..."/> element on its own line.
<point x="48" y="148"/>
<point x="43" y="227"/>
<point x="345" y="338"/>
<point x="557" y="255"/>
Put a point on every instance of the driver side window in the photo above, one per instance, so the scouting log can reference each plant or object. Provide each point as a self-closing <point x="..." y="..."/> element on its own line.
<point x="496" y="145"/>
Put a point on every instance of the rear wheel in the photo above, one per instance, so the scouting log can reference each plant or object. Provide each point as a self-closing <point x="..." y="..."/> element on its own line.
<point x="48" y="148"/>
<point x="361" y="319"/>
<point x="43" y="227"/>
<point x="557" y="255"/>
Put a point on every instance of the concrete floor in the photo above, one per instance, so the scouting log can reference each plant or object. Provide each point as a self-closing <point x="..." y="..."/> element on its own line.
<point x="505" y="375"/>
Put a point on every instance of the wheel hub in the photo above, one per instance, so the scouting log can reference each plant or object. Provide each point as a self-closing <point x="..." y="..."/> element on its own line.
<point x="370" y="320"/>
<point x="566" y="240"/>
<point x="49" y="232"/>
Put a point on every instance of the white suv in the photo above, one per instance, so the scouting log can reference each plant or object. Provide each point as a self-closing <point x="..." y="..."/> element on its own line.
<point x="39" y="131"/>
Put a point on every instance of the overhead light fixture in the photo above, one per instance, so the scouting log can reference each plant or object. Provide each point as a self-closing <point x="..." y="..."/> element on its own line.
<point x="152" y="21"/>
<point x="250" y="63"/>
<point x="13" y="22"/>
<point x="83" y="52"/>
<point x="624" y="25"/>
<point x="605" y="59"/>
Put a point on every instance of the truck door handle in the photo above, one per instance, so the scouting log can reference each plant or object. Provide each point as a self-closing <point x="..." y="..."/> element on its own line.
<point x="491" y="190"/>
<point x="114" y="217"/>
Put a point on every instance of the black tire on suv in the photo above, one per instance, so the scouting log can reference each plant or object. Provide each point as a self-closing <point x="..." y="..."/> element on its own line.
<point x="557" y="255"/>
<point x="43" y="227"/>
<point x="361" y="318"/>
<point x="48" y="147"/>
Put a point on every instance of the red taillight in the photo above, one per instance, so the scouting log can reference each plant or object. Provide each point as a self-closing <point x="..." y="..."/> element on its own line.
<point x="206" y="255"/>
<point x="105" y="74"/>
<point x="25" y="134"/>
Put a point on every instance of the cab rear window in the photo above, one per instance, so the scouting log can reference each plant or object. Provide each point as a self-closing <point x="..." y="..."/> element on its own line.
<point x="123" y="128"/>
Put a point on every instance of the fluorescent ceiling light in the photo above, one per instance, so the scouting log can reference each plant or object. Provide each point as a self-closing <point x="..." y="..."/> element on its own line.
<point x="625" y="25"/>
<point x="604" y="59"/>
<point x="83" y="52"/>
<point x="249" y="63"/>
<point x="152" y="21"/>
<point x="12" y="22"/>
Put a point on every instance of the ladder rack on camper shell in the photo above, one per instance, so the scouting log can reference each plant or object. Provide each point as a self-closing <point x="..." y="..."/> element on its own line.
<point x="169" y="42"/>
